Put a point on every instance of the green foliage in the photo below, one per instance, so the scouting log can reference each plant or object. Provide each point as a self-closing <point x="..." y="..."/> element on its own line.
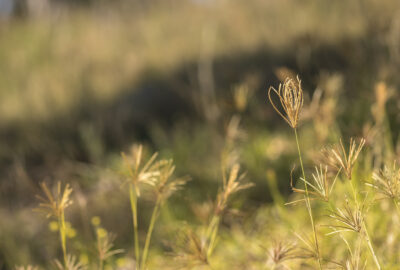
<point x="189" y="80"/>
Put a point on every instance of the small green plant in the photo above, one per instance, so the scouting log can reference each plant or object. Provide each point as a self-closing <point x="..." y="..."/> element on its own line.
<point x="346" y="202"/>
<point x="158" y="175"/>
<point x="139" y="173"/>
<point x="290" y="95"/>
<point x="53" y="206"/>
<point x="104" y="243"/>
<point x="193" y="248"/>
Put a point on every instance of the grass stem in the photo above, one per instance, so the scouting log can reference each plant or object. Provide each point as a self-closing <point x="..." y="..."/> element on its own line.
<point x="61" y="224"/>
<point x="308" y="202"/>
<point x="367" y="238"/>
<point x="212" y="234"/>
<point x="133" y="200"/>
<point x="149" y="232"/>
<point x="371" y="248"/>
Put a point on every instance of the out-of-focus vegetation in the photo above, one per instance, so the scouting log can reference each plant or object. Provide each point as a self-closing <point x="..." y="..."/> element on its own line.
<point x="83" y="81"/>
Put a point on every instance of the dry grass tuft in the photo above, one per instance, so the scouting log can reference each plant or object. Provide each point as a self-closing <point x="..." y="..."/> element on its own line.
<point x="54" y="205"/>
<point x="290" y="96"/>
<point x="139" y="173"/>
<point x="235" y="183"/>
<point x="321" y="188"/>
<point x="339" y="158"/>
<point x="72" y="263"/>
<point x="347" y="219"/>
<point x="387" y="182"/>
<point x="280" y="252"/>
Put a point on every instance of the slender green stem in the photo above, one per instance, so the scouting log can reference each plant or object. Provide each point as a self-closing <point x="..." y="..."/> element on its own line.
<point x="367" y="238"/>
<point x="212" y="234"/>
<point x="100" y="251"/>
<point x="301" y="160"/>
<point x="133" y="200"/>
<point x="150" y="231"/>
<point x="371" y="248"/>
<point x="61" y="225"/>
<point x="308" y="201"/>
<point x="211" y="226"/>
<point x="354" y="193"/>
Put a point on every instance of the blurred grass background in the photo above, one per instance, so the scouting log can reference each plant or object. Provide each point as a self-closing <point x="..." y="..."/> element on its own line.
<point x="81" y="81"/>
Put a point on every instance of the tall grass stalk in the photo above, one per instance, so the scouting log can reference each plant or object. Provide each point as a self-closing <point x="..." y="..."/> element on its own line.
<point x="212" y="233"/>
<point x="150" y="232"/>
<point x="308" y="202"/>
<point x="63" y="232"/>
<point x="367" y="237"/>
<point x="371" y="248"/>
<point x="54" y="206"/>
<point x="133" y="200"/>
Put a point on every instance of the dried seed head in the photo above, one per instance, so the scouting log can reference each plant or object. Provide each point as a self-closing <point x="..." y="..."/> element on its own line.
<point x="347" y="219"/>
<point x="234" y="183"/>
<point x="308" y="248"/>
<point x="166" y="185"/>
<point x="387" y="182"/>
<point x="290" y="95"/>
<point x="189" y="250"/>
<point x="147" y="173"/>
<point x="338" y="158"/>
<point x="72" y="263"/>
<point x="105" y="246"/>
<point x="281" y="252"/>
<point x="54" y="206"/>
<point x="321" y="187"/>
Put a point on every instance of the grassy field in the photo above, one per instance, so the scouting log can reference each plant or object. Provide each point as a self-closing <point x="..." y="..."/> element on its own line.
<point x="142" y="136"/>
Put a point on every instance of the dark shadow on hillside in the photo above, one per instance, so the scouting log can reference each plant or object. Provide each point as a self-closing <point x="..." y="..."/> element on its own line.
<point x="166" y="99"/>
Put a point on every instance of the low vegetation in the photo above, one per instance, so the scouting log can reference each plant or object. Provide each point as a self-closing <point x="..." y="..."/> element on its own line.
<point x="180" y="138"/>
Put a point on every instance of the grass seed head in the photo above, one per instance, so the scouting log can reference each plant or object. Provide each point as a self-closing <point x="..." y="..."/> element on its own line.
<point x="140" y="172"/>
<point x="321" y="187"/>
<point x="166" y="184"/>
<point x="189" y="250"/>
<point x="387" y="182"/>
<point x="308" y="248"/>
<point x="281" y="252"/>
<point x="339" y="158"/>
<point x="105" y="246"/>
<point x="290" y="96"/>
<point x="347" y="219"/>
<point x="54" y="205"/>
<point x="72" y="263"/>
<point x="235" y="182"/>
